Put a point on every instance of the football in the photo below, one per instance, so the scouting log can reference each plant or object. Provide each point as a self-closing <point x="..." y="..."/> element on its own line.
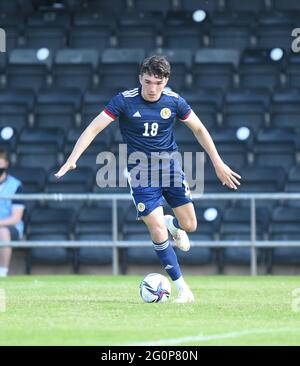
<point x="155" y="288"/>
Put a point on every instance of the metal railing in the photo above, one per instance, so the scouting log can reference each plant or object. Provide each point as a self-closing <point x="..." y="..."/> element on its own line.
<point x="253" y="244"/>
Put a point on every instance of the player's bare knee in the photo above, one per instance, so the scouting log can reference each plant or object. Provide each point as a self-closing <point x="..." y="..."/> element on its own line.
<point x="159" y="234"/>
<point x="189" y="226"/>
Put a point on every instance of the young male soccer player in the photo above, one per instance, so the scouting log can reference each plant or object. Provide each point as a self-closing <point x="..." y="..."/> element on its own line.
<point x="146" y="115"/>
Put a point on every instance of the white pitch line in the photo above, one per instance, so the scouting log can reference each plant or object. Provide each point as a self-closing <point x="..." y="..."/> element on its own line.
<point x="203" y="338"/>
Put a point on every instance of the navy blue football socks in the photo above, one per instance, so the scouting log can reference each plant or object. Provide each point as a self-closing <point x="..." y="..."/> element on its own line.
<point x="168" y="258"/>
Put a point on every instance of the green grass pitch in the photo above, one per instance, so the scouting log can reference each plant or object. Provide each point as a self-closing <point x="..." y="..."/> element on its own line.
<point x="107" y="310"/>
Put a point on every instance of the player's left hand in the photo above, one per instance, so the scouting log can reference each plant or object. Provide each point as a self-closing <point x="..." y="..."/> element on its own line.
<point x="227" y="176"/>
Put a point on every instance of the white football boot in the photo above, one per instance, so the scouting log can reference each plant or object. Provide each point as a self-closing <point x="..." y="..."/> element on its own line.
<point x="185" y="296"/>
<point x="180" y="236"/>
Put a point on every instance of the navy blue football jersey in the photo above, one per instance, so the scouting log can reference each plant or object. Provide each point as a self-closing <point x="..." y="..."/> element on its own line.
<point x="148" y="126"/>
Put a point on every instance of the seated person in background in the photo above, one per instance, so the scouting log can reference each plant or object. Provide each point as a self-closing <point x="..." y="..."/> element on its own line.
<point x="11" y="212"/>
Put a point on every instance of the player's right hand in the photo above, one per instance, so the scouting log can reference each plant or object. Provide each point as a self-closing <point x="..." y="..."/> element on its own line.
<point x="64" y="169"/>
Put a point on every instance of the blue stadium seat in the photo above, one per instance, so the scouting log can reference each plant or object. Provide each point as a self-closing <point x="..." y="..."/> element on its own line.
<point x="131" y="225"/>
<point x="25" y="7"/>
<point x="285" y="226"/>
<point x="259" y="75"/>
<point x="14" y="116"/>
<point x="236" y="227"/>
<point x="73" y="76"/>
<point x="189" y="36"/>
<point x="245" y="108"/>
<point x="285" y="115"/>
<point x="293" y="181"/>
<point x="48" y="255"/>
<point x="179" y="18"/>
<point x="236" y="220"/>
<point x="95" y="219"/>
<point x="287" y="5"/>
<point x="205" y="103"/>
<point x="25" y="69"/>
<point x="136" y="18"/>
<point x="68" y="100"/>
<point x="139" y="255"/>
<point x="276" y="140"/>
<point x="192" y="5"/>
<point x="262" y="179"/>
<point x="275" y="147"/>
<point x="105" y="6"/>
<point x="227" y="141"/>
<point x="17" y="97"/>
<point x="60" y="19"/>
<point x="75" y="68"/>
<point x="284" y="160"/>
<point x="88" y="18"/>
<point x="10" y="7"/>
<point x="92" y="255"/>
<point x="31" y="56"/>
<point x="271" y="37"/>
<point x="196" y="255"/>
<point x="136" y="36"/>
<point x="119" y="68"/>
<point x="275" y="18"/>
<point x="155" y="5"/>
<point x="206" y="229"/>
<point x="33" y="179"/>
<point x="286" y="96"/>
<point x="213" y="75"/>
<point x="20" y="76"/>
<point x="227" y="56"/>
<point x="94" y="223"/>
<point x="45" y="37"/>
<point x="49" y="220"/>
<point x="252" y="96"/>
<point x="12" y="21"/>
<point x="292" y="71"/>
<point x="90" y="37"/>
<point x="12" y="38"/>
<point x="256" y="7"/>
<point x="284" y="109"/>
<point x="228" y="18"/>
<point x="49" y="224"/>
<point x="62" y="116"/>
<point x="39" y="148"/>
<point x="230" y="36"/>
<point x="78" y="181"/>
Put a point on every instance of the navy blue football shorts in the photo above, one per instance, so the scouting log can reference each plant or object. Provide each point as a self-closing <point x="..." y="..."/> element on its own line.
<point x="146" y="199"/>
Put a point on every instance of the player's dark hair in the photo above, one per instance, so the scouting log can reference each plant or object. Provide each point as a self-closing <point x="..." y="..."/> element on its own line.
<point x="158" y="66"/>
<point x="3" y="154"/>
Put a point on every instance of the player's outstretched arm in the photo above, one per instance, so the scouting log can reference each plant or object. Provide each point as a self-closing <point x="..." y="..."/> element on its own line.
<point x="224" y="173"/>
<point x="85" y="139"/>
